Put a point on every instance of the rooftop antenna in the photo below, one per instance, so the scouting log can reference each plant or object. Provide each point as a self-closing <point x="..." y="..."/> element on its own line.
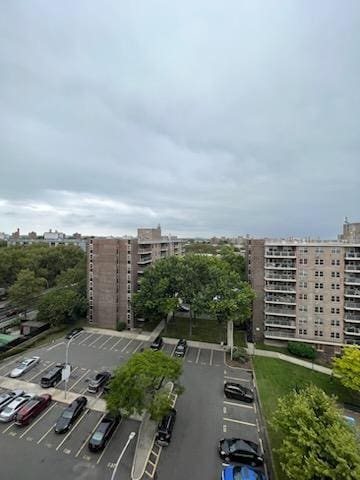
<point x="346" y="221"/>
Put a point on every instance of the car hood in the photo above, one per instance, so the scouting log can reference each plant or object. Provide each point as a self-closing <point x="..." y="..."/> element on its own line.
<point x="224" y="445"/>
<point x="62" y="424"/>
<point x="16" y="372"/>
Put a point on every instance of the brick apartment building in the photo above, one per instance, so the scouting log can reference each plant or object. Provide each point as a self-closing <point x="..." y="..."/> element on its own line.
<point x="114" y="267"/>
<point x="307" y="291"/>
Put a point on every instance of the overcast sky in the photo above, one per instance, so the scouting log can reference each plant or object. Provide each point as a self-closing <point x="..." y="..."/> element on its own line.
<point x="208" y="117"/>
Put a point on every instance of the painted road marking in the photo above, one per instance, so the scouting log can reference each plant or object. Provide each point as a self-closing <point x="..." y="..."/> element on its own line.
<point x="94" y="341"/>
<point x="8" y="428"/>
<point x="88" y="438"/>
<point x="55" y="346"/>
<point x="41" y="371"/>
<point x="172" y="353"/>
<point x="71" y="429"/>
<point x="38" y="420"/>
<point x="79" y="380"/>
<point x="105" y="342"/>
<point x="138" y="347"/>
<point x="261" y="446"/>
<point x="108" y="443"/>
<point x="116" y="343"/>
<point x="238" y="404"/>
<point x="197" y="357"/>
<point x="126" y="346"/>
<point x="224" y="428"/>
<point x="239" y="421"/>
<point x="45" y="434"/>
<point x="238" y="379"/>
<point x="211" y="357"/>
<point x="86" y="338"/>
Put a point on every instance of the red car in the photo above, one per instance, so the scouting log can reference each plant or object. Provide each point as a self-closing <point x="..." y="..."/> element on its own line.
<point x="32" y="409"/>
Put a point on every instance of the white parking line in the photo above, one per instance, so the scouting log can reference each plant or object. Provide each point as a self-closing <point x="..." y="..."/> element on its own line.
<point x="239" y="421"/>
<point x="211" y="357"/>
<point x="79" y="380"/>
<point x="106" y="446"/>
<point x="86" y="338"/>
<point x="123" y="350"/>
<point x="261" y="445"/>
<point x="88" y="438"/>
<point x="5" y="366"/>
<point x="238" y="404"/>
<point x="238" y="379"/>
<point x="105" y="341"/>
<point x="94" y="341"/>
<point x="224" y="428"/>
<point x="8" y="428"/>
<point x="87" y="410"/>
<point x="55" y="346"/>
<point x="172" y="353"/>
<point x="138" y="347"/>
<point x="197" y="357"/>
<point x="45" y="434"/>
<point x="116" y="343"/>
<point x="41" y="371"/>
<point x="38" y="420"/>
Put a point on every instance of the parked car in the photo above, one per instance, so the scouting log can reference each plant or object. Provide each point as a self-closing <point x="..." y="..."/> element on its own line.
<point x="70" y="414"/>
<point x="238" y="392"/>
<point x="74" y="332"/>
<point x="180" y="348"/>
<point x="241" y="473"/>
<point x="24" y="367"/>
<point x="52" y="376"/>
<point x="165" y="428"/>
<point x="106" y="387"/>
<point x="8" y="397"/>
<point x="32" y="409"/>
<point x="157" y="343"/>
<point x="103" y="432"/>
<point x="240" y="451"/>
<point x="12" y="312"/>
<point x="98" y="382"/>
<point x="9" y="412"/>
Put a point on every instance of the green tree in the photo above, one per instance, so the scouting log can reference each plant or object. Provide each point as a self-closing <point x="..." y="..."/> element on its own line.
<point x="135" y="387"/>
<point x="61" y="306"/>
<point x="317" y="443"/>
<point x="25" y="291"/>
<point x="74" y="277"/>
<point x="235" y="261"/>
<point x="347" y="367"/>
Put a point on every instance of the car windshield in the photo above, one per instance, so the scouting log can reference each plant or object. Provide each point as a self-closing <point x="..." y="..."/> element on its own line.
<point x="180" y="347"/>
<point x="7" y="410"/>
<point x="243" y="473"/>
<point x="97" y="437"/>
<point x="67" y="414"/>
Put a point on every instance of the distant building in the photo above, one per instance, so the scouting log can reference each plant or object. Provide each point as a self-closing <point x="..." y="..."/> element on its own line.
<point x="32" y="235"/>
<point x="351" y="232"/>
<point x="77" y="236"/>
<point x="50" y="235"/>
<point x="16" y="234"/>
<point x="306" y="291"/>
<point x="114" y="268"/>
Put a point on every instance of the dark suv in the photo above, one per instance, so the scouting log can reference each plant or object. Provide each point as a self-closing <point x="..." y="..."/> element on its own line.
<point x="157" y="343"/>
<point x="180" y="348"/>
<point x="165" y="428"/>
<point x="238" y="392"/>
<point x="100" y="380"/>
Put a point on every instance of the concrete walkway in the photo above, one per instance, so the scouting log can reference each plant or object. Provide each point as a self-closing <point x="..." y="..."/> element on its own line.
<point x="124" y="333"/>
<point x="296" y="361"/>
<point x="157" y="331"/>
<point x="205" y="345"/>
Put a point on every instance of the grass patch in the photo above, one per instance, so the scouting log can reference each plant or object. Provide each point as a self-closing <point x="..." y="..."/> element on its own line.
<point x="240" y="338"/>
<point x="203" y="329"/>
<point x="285" y="351"/>
<point x="149" y="325"/>
<point x="276" y="378"/>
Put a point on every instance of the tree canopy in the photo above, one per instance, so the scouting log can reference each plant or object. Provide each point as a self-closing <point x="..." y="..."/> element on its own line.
<point x="25" y="291"/>
<point x="317" y="442"/>
<point x="61" y="305"/>
<point x="135" y="387"/>
<point x="347" y="367"/>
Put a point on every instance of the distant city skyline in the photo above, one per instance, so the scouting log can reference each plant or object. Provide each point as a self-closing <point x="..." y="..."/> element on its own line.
<point x="205" y="119"/>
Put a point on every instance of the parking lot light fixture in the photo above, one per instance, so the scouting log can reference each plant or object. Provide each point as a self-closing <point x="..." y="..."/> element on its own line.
<point x="131" y="436"/>
<point x="67" y="361"/>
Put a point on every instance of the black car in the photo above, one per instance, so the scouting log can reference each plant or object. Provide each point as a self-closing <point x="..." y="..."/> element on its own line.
<point x="74" y="332"/>
<point x="238" y="392"/>
<point x="52" y="376"/>
<point x="240" y="451"/>
<point x="180" y="348"/>
<point x="103" y="432"/>
<point x="100" y="380"/>
<point x="165" y="428"/>
<point x="157" y="343"/>
<point x="70" y="414"/>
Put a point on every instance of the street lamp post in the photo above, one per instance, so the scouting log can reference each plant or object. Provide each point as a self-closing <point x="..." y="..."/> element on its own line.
<point x="66" y="363"/>
<point x="131" y="436"/>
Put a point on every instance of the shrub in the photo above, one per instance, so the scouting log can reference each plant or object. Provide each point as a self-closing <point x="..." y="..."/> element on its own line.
<point x="240" y="355"/>
<point x="121" y="326"/>
<point x="302" y="350"/>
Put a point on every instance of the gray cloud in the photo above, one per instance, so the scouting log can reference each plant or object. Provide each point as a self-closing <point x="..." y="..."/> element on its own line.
<point x="205" y="118"/>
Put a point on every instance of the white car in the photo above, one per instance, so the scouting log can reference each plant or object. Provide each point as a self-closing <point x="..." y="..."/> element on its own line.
<point x="11" y="410"/>
<point x="24" y="366"/>
<point x="8" y="397"/>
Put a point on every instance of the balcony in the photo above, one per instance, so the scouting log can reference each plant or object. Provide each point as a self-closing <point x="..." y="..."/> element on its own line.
<point x="279" y="288"/>
<point x="279" y="334"/>
<point x="280" y="323"/>
<point x="352" y="305"/>
<point x="281" y="277"/>
<point x="286" y="300"/>
<point x="145" y="251"/>
<point x="144" y="261"/>
<point x="351" y="317"/>
<point x="352" y="331"/>
<point x="280" y="266"/>
<point x="352" y="281"/>
<point x="352" y="268"/>
<point x="352" y="255"/>
<point x="284" y="312"/>
<point x="280" y="254"/>
<point x="352" y="292"/>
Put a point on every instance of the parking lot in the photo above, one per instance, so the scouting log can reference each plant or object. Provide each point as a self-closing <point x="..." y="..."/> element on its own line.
<point x="204" y="414"/>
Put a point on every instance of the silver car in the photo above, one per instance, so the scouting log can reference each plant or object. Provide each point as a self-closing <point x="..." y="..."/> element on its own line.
<point x="6" y="398"/>
<point x="13" y="407"/>
<point x="24" y="366"/>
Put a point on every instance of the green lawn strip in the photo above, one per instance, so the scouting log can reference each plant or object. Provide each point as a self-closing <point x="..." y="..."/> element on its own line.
<point x="285" y="351"/>
<point x="239" y="338"/>
<point x="203" y="330"/>
<point x="276" y="378"/>
<point x="149" y="325"/>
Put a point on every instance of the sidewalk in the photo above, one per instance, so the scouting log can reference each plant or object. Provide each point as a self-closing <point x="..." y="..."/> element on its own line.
<point x="124" y="333"/>
<point x="191" y="343"/>
<point x="297" y="361"/>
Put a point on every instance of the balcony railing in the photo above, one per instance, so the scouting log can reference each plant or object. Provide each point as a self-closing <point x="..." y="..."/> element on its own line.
<point x="286" y="312"/>
<point x="352" y="268"/>
<point x="281" y="299"/>
<point x="280" y="266"/>
<point x="352" y="317"/>
<point x="352" y="331"/>
<point x="144" y="251"/>
<point x="352" y="292"/>
<point x="352" y="280"/>
<point x="271" y="287"/>
<point x="279" y="276"/>
<point x="143" y="261"/>
<point x="273" y="334"/>
<point x="280" y="323"/>
<point x="352" y="256"/>
<point x="279" y="254"/>
<point x="353" y="305"/>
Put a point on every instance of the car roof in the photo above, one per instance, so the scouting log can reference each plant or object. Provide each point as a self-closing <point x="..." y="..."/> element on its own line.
<point x="243" y="445"/>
